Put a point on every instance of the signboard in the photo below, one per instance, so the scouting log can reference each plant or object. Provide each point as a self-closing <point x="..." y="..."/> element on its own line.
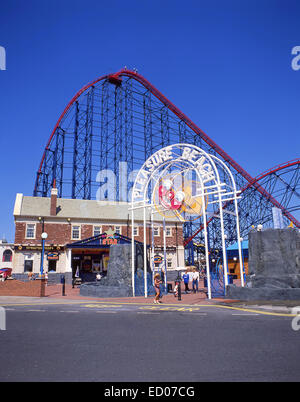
<point x="183" y="182"/>
<point x="53" y="256"/>
<point x="37" y="247"/>
<point x="109" y="241"/>
<point x="190" y="155"/>
<point x="158" y="259"/>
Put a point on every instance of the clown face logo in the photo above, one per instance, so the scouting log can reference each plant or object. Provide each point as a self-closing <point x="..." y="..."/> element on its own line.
<point x="168" y="198"/>
<point x="178" y="200"/>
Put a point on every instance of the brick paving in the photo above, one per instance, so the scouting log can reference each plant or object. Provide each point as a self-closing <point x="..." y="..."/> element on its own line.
<point x="55" y="291"/>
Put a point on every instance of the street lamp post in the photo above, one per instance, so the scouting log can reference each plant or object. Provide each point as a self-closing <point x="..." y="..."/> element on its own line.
<point x="44" y="237"/>
<point x="243" y="260"/>
<point x="226" y="267"/>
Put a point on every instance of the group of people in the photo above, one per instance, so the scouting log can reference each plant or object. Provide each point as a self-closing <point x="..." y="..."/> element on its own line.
<point x="194" y="276"/>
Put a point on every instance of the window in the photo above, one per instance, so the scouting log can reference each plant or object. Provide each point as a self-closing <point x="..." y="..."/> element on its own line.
<point x="75" y="232"/>
<point x="30" y="231"/>
<point x="28" y="264"/>
<point x="156" y="231"/>
<point x="7" y="256"/>
<point x="118" y="229"/>
<point x="169" y="263"/>
<point x="136" y="231"/>
<point x="168" y="231"/>
<point x="97" y="230"/>
<point x="52" y="266"/>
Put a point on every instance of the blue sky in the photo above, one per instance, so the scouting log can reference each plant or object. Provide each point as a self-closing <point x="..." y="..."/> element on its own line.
<point x="226" y="64"/>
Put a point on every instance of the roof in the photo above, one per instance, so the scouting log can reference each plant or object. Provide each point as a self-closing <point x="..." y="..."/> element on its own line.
<point x="103" y="240"/>
<point x="235" y="246"/>
<point x="26" y="206"/>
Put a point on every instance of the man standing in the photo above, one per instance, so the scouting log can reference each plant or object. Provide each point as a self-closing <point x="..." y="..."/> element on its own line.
<point x="195" y="280"/>
<point x="186" y="279"/>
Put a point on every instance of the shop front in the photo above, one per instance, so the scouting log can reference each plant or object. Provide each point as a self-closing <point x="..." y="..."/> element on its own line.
<point x="90" y="257"/>
<point x="28" y="258"/>
<point x="89" y="262"/>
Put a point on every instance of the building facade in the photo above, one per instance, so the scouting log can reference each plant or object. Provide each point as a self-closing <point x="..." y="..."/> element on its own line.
<point x="71" y="225"/>
<point x="6" y="254"/>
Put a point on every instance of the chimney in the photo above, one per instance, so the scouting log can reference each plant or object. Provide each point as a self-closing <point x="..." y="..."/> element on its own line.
<point x="53" y="202"/>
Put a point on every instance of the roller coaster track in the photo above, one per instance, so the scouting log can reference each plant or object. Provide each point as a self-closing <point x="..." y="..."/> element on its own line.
<point x="260" y="177"/>
<point x="116" y="79"/>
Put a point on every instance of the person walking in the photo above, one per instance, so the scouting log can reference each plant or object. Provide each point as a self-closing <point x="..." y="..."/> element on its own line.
<point x="157" y="282"/>
<point x="186" y="279"/>
<point x="195" y="280"/>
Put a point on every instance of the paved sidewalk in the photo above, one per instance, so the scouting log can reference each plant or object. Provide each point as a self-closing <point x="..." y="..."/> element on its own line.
<point x="54" y="295"/>
<point x="55" y="292"/>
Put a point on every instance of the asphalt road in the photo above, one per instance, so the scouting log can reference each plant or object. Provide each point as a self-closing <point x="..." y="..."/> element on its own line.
<point x="126" y="343"/>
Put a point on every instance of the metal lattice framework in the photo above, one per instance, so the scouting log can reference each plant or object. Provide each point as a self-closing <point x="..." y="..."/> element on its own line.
<point x="121" y="118"/>
<point x="282" y="181"/>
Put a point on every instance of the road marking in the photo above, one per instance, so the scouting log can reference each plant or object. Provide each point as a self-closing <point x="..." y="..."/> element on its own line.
<point x="102" y="306"/>
<point x="170" y="308"/>
<point x="147" y="312"/>
<point x="36" y="310"/>
<point x="106" y="312"/>
<point x="69" y="311"/>
<point x="139" y="304"/>
<point x="240" y="314"/>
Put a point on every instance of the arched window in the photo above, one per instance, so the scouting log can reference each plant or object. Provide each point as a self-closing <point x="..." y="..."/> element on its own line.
<point x="7" y="256"/>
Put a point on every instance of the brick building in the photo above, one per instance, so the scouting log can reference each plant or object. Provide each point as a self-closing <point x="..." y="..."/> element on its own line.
<point x="76" y="234"/>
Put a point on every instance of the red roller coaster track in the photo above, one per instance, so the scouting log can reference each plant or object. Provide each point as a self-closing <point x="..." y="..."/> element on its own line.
<point x="275" y="169"/>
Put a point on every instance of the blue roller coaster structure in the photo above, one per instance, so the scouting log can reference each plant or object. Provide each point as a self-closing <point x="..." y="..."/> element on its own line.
<point x="122" y="117"/>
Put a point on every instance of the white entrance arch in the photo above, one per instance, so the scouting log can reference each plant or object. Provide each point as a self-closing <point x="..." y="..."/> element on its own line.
<point x="181" y="181"/>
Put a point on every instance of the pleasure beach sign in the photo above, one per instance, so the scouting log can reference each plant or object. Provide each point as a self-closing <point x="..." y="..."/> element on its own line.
<point x="172" y="156"/>
<point x="183" y="182"/>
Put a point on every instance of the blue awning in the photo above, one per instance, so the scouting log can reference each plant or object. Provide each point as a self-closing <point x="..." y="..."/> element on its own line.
<point x="235" y="246"/>
<point x="233" y="251"/>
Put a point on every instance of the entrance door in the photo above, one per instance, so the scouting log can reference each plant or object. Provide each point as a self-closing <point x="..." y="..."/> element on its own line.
<point x="76" y="265"/>
<point x="52" y="266"/>
<point x="28" y="264"/>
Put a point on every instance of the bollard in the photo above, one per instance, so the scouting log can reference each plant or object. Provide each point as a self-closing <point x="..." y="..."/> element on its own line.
<point x="178" y="281"/>
<point x="63" y="282"/>
<point x="179" y="290"/>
